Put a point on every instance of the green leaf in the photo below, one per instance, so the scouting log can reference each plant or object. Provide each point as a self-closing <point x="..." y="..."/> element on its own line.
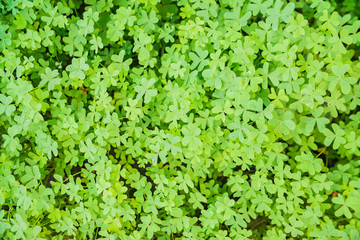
<point x="6" y="106"/>
<point x="77" y="68"/>
<point x="335" y="137"/>
<point x="144" y="90"/>
<point x="50" y="78"/>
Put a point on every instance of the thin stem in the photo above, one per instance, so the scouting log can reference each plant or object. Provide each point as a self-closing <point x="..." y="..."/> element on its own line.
<point x="320" y="153"/>
<point x="72" y="176"/>
<point x="75" y="8"/>
<point x="36" y="221"/>
<point x="97" y="229"/>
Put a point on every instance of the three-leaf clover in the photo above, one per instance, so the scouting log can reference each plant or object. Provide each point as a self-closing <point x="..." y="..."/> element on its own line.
<point x="144" y="90"/>
<point x="336" y="136"/>
<point x="276" y="14"/>
<point x="50" y="77"/>
<point x="77" y="68"/>
<point x="6" y="106"/>
<point x="199" y="59"/>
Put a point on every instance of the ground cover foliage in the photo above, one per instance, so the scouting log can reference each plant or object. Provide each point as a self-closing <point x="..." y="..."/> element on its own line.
<point x="150" y="119"/>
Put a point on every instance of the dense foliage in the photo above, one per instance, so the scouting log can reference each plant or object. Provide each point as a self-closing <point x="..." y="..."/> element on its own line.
<point x="188" y="119"/>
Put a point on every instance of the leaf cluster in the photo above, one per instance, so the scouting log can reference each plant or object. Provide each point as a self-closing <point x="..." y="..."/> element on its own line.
<point x="164" y="119"/>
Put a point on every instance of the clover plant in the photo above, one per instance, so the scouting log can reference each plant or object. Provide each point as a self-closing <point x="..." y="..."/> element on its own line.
<point x="187" y="119"/>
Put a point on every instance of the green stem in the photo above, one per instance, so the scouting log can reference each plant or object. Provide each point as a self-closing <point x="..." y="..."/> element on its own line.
<point x="320" y="153"/>
<point x="33" y="225"/>
<point x="74" y="8"/>
<point x="72" y="176"/>
<point x="96" y="233"/>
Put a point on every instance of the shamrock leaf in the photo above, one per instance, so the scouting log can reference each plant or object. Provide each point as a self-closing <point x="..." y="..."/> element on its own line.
<point x="196" y="199"/>
<point x="184" y="182"/>
<point x="50" y="78"/>
<point x="344" y="209"/>
<point x="77" y="68"/>
<point x="336" y="136"/>
<point x="6" y="106"/>
<point x="96" y="43"/>
<point x="297" y="25"/>
<point x="339" y="79"/>
<point x="191" y="133"/>
<point x="307" y="163"/>
<point x="31" y="176"/>
<point x="292" y="228"/>
<point x="19" y="226"/>
<point x="144" y="90"/>
<point x="148" y="21"/>
<point x="317" y="120"/>
<point x="276" y="14"/>
<point x="223" y="205"/>
<point x="208" y="219"/>
<point x="199" y="59"/>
